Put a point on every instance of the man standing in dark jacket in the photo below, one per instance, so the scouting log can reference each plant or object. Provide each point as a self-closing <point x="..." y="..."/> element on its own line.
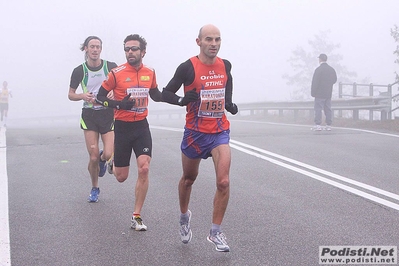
<point x="324" y="78"/>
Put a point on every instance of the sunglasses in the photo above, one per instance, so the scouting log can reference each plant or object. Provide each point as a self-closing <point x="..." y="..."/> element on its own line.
<point x="133" y="48"/>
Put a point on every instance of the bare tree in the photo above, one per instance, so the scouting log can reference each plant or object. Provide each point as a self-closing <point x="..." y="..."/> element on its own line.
<point x="395" y="35"/>
<point x="304" y="63"/>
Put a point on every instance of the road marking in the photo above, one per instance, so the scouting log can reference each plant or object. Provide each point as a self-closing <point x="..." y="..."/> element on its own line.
<point x="5" y="258"/>
<point x="296" y="125"/>
<point x="272" y="157"/>
<point x="251" y="150"/>
<point x="168" y="128"/>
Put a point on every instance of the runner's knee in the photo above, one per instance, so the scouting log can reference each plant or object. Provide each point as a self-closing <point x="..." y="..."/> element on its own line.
<point x="188" y="180"/>
<point x="144" y="170"/>
<point x="121" y="177"/>
<point x="223" y="184"/>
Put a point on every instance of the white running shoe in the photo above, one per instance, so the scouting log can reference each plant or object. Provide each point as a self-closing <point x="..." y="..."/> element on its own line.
<point x="137" y="224"/>
<point x="185" y="231"/>
<point x="219" y="240"/>
<point x="317" y="128"/>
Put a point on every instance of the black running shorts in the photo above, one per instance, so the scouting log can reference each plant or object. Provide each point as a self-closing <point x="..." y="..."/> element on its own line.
<point x="130" y="136"/>
<point x="101" y="121"/>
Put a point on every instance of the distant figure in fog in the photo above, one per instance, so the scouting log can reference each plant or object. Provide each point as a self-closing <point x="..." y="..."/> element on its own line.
<point x="5" y="94"/>
<point x="324" y="78"/>
<point x="96" y="119"/>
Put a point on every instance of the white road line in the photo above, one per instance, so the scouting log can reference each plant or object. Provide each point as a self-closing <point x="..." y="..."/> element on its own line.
<point x="5" y="258"/>
<point x="320" y="178"/>
<point x="168" y="128"/>
<point x="321" y="171"/>
<point x="308" y="126"/>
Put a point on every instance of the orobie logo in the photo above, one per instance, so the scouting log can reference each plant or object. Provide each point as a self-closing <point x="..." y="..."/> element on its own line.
<point x="145" y="78"/>
<point x="106" y="104"/>
<point x="215" y="76"/>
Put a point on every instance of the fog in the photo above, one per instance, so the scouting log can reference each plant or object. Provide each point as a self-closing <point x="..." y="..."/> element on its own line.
<point x="41" y="40"/>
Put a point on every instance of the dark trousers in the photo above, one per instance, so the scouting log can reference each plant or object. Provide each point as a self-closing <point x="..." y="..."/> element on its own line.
<point x="320" y="105"/>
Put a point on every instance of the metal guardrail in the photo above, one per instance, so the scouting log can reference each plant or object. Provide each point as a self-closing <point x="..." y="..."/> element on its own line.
<point x="381" y="104"/>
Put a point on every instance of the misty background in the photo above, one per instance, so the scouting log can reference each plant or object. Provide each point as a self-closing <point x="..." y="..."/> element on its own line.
<point x="41" y="40"/>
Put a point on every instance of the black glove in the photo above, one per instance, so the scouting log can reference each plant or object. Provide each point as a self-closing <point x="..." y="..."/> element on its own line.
<point x="190" y="96"/>
<point x="126" y="104"/>
<point x="231" y="107"/>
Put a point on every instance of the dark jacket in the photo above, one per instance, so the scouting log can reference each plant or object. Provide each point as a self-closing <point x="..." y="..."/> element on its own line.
<point x="323" y="80"/>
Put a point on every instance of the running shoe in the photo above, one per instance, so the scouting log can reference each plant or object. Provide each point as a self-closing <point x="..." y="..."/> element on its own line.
<point x="219" y="240"/>
<point x="103" y="166"/>
<point x="185" y="230"/>
<point x="93" y="197"/>
<point x="328" y="128"/>
<point x="317" y="128"/>
<point x="110" y="165"/>
<point x="137" y="224"/>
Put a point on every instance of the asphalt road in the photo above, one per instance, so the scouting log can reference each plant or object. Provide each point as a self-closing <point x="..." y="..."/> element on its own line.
<point x="292" y="191"/>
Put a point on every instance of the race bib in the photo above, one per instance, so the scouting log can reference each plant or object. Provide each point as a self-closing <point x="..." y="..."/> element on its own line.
<point x="141" y="97"/>
<point x="212" y="103"/>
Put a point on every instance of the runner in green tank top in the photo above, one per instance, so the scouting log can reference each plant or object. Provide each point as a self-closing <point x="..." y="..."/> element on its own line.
<point x="96" y="120"/>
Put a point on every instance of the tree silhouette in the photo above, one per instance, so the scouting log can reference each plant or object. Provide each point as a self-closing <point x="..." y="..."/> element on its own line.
<point x="304" y="63"/>
<point x="395" y="35"/>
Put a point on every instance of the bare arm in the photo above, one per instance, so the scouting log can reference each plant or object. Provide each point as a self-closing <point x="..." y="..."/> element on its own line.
<point x="85" y="96"/>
